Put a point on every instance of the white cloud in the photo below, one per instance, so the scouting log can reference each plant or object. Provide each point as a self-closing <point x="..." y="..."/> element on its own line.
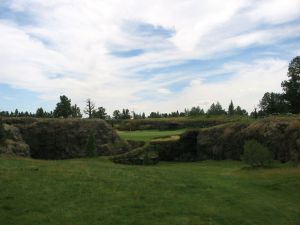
<point x="66" y="49"/>
<point x="246" y="87"/>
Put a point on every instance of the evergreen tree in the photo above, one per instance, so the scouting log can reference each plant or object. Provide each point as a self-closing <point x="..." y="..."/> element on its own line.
<point x="155" y="115"/>
<point x="254" y="113"/>
<point x="273" y="103"/>
<point x="143" y="116"/>
<point x="39" y="113"/>
<point x="241" y="112"/>
<point x="100" y="113"/>
<point x="195" y="111"/>
<point x="216" y="109"/>
<point x="63" y="108"/>
<point x="75" y="111"/>
<point x="117" y="115"/>
<point x="16" y="114"/>
<point x="291" y="87"/>
<point x="125" y="114"/>
<point x="231" y="109"/>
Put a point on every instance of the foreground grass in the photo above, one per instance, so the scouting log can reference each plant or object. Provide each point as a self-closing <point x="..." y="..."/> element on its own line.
<point x="96" y="191"/>
<point x="148" y="135"/>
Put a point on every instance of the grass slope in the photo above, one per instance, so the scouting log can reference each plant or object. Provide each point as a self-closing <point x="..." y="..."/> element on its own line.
<point x="148" y="135"/>
<point x="96" y="191"/>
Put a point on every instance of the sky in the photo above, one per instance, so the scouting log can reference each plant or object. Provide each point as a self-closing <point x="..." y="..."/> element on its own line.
<point x="150" y="55"/>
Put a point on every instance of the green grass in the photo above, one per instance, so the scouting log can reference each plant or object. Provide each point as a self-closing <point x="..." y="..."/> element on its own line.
<point x="96" y="191"/>
<point x="148" y="135"/>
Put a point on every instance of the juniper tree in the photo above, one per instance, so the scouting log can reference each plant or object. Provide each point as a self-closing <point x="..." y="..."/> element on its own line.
<point x="291" y="87"/>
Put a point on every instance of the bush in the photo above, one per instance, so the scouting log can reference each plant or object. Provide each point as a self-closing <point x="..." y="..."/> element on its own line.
<point x="2" y="131"/>
<point x="138" y="156"/>
<point x="91" y="146"/>
<point x="256" y="155"/>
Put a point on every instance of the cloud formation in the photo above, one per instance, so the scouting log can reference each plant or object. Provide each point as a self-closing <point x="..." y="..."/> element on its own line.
<point x="128" y="53"/>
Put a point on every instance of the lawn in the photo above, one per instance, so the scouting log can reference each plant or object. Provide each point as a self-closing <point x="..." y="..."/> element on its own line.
<point x="148" y="135"/>
<point x="96" y="191"/>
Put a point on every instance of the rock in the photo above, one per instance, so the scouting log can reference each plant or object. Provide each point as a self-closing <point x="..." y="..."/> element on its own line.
<point x="64" y="138"/>
<point x="298" y="144"/>
<point x="14" y="143"/>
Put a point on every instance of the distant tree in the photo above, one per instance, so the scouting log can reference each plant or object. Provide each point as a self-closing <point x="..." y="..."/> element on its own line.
<point x="2" y="131"/>
<point x="16" y="114"/>
<point x="273" y="103"/>
<point x="63" y="108"/>
<point x="216" y="109"/>
<point x="125" y="114"/>
<point x="136" y="116"/>
<point x="48" y="114"/>
<point x="256" y="155"/>
<point x="240" y="112"/>
<point x="91" y="146"/>
<point x="89" y="108"/>
<point x="75" y="111"/>
<point x="254" y="113"/>
<point x="117" y="115"/>
<point x="291" y="87"/>
<point x="154" y="115"/>
<point x="182" y="114"/>
<point x="194" y="111"/>
<point x="231" y="109"/>
<point x="172" y="114"/>
<point x="4" y="113"/>
<point x="40" y="113"/>
<point x="100" y="113"/>
<point x="143" y="116"/>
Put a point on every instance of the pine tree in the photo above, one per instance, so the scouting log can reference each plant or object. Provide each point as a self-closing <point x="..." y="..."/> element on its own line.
<point x="231" y="109"/>
<point x="100" y="113"/>
<point x="291" y="87"/>
<point x="40" y="113"/>
<point x="63" y="108"/>
<point x="75" y="111"/>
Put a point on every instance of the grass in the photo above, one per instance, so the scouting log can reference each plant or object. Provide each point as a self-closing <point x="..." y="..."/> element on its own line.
<point x="148" y="135"/>
<point x="96" y="191"/>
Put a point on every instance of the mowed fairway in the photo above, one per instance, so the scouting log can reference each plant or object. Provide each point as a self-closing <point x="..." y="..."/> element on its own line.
<point x="96" y="191"/>
<point x="148" y="135"/>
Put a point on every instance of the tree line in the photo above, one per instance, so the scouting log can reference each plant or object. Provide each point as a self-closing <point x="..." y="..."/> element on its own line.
<point x="289" y="100"/>
<point x="65" y="109"/>
<point x="271" y="103"/>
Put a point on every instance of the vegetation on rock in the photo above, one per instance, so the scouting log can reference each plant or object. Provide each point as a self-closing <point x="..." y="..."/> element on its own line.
<point x="2" y="131"/>
<point x="256" y="155"/>
<point x="91" y="146"/>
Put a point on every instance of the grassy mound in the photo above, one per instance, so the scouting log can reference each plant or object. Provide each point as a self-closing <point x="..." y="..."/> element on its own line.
<point x="148" y="135"/>
<point x="176" y="123"/>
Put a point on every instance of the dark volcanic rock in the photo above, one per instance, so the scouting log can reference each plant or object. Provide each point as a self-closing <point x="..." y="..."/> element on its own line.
<point x="67" y="138"/>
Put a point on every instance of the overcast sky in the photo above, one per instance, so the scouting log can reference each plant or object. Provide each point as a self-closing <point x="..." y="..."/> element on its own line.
<point x="145" y="55"/>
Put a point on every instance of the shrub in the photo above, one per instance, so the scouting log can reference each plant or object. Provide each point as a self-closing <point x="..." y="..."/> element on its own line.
<point x="2" y="131"/>
<point x="138" y="156"/>
<point x="256" y="155"/>
<point x="91" y="146"/>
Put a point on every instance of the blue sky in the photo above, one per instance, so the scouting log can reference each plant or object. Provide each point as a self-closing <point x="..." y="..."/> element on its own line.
<point x="144" y="55"/>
